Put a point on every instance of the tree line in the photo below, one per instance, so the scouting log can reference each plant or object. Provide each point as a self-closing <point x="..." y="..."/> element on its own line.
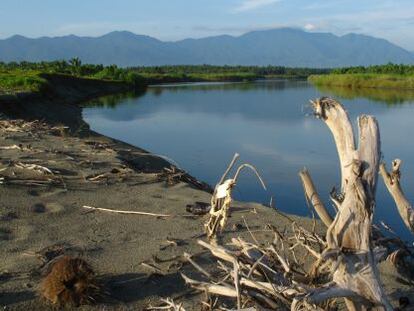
<point x="75" y="67"/>
<point x="212" y="69"/>
<point x="389" y="68"/>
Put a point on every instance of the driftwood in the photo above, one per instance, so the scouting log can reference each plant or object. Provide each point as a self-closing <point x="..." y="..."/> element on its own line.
<point x="12" y="147"/>
<point x="174" y="175"/>
<point x="392" y="181"/>
<point x="125" y="212"/>
<point x="349" y="245"/>
<point x="345" y="264"/>
<point x="168" y="304"/>
<point x="134" y="212"/>
<point x="312" y="196"/>
<point x="221" y="199"/>
<point x="33" y="167"/>
<point x="252" y="274"/>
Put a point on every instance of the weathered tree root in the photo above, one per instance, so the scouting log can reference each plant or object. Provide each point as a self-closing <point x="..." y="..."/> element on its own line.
<point x="349" y="245"/>
<point x="345" y="262"/>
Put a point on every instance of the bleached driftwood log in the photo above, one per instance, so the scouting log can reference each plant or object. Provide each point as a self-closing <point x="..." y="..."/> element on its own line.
<point x="338" y="122"/>
<point x="392" y="181"/>
<point x="349" y="245"/>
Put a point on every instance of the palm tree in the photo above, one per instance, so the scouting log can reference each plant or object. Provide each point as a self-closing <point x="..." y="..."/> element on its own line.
<point x="76" y="64"/>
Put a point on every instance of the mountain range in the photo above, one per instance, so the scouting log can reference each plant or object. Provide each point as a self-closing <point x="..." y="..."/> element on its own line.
<point x="283" y="46"/>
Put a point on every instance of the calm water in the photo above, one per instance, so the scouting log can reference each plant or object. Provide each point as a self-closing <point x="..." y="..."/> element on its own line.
<point x="201" y="126"/>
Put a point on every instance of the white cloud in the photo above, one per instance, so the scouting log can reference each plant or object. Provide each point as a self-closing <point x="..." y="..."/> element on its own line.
<point x="248" y="5"/>
<point x="309" y="27"/>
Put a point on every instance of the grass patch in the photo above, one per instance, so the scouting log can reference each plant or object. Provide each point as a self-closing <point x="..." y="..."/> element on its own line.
<point x="364" y="80"/>
<point x="12" y="81"/>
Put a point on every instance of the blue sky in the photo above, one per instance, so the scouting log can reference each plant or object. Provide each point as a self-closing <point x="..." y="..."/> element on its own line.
<point x="178" y="19"/>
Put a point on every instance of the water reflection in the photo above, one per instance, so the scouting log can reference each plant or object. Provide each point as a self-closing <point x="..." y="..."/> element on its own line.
<point x="240" y="99"/>
<point x="241" y="86"/>
<point x="385" y="96"/>
<point x="202" y="125"/>
<point x="111" y="101"/>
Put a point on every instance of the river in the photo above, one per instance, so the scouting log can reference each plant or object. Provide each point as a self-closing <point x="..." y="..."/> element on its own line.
<point x="201" y="125"/>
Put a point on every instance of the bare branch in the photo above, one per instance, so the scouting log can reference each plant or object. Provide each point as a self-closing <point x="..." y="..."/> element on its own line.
<point x="392" y="182"/>
<point x="313" y="197"/>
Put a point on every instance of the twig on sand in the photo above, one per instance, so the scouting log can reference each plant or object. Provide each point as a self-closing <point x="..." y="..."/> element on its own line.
<point x="126" y="212"/>
<point x="10" y="147"/>
<point x="135" y="212"/>
<point x="154" y="268"/>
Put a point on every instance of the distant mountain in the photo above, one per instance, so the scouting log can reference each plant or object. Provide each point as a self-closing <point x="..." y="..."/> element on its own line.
<point x="282" y="46"/>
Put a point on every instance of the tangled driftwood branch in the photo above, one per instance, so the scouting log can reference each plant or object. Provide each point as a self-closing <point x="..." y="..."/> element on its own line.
<point x="221" y="199"/>
<point x="252" y="273"/>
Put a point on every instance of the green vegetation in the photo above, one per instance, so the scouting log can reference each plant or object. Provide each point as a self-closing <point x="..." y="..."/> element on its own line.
<point x="381" y="95"/>
<point x="31" y="77"/>
<point x="28" y="76"/>
<point x="390" y="68"/>
<point x="364" y="80"/>
<point x="390" y="76"/>
<point x="21" y="80"/>
<point x="182" y="73"/>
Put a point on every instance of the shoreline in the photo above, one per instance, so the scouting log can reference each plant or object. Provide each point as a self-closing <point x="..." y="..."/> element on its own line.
<point x="60" y="104"/>
<point x="40" y="213"/>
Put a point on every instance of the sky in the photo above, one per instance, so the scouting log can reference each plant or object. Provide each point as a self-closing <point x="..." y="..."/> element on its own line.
<point x="173" y="20"/>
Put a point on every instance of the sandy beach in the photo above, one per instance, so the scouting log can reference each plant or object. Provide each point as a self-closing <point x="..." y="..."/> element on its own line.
<point x="51" y="169"/>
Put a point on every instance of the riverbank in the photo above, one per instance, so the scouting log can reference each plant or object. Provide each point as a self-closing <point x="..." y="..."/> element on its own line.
<point x="42" y="214"/>
<point x="364" y="80"/>
<point x="56" y="101"/>
<point x="138" y="258"/>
